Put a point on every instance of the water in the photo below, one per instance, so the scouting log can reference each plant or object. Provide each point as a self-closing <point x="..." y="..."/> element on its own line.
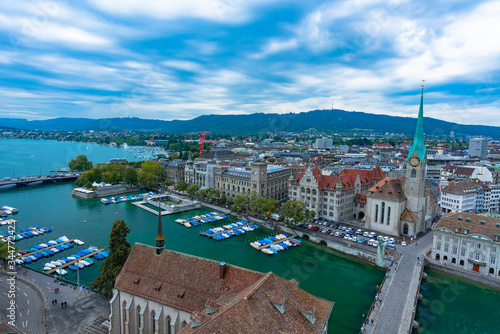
<point x="454" y="305"/>
<point x="349" y="282"/>
<point x="23" y="157"/>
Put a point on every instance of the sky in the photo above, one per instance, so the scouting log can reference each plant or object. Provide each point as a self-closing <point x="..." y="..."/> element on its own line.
<point x="179" y="59"/>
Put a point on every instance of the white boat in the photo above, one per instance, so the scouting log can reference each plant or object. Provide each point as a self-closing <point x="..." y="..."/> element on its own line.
<point x="78" y="242"/>
<point x="93" y="248"/>
<point x="55" y="250"/>
<point x="64" y="238"/>
<point x="79" y="264"/>
<point x="61" y="271"/>
<point x="266" y="251"/>
<point x="85" y="263"/>
<point x="32" y="258"/>
<point x="71" y="258"/>
<point x="19" y="261"/>
<point x="51" y="242"/>
<point x="50" y="265"/>
<point x="48" y="268"/>
<point x="43" y="245"/>
<point x="35" y="232"/>
<point x="55" y="263"/>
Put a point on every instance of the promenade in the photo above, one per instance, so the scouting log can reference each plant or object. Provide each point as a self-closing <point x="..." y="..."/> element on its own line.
<point x="394" y="313"/>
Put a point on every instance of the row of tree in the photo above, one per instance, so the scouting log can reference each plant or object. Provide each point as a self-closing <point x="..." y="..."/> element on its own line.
<point x="149" y="174"/>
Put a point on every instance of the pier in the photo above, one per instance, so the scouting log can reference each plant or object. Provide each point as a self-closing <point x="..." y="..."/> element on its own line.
<point x="204" y="233"/>
<point x="141" y="205"/>
<point x="274" y="243"/>
<point x="19" y="233"/>
<point x="45" y="179"/>
<point x="40" y="250"/>
<point x="79" y="259"/>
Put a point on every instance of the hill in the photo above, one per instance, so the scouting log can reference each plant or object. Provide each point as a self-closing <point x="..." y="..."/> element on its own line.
<point x="324" y="120"/>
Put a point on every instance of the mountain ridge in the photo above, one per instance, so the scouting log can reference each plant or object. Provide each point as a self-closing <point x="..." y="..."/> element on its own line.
<point x="335" y="120"/>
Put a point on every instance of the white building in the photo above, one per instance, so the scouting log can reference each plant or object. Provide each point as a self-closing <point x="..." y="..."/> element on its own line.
<point x="466" y="196"/>
<point x="464" y="173"/>
<point x="478" y="147"/>
<point x="469" y="242"/>
<point x="323" y="143"/>
<point x="495" y="198"/>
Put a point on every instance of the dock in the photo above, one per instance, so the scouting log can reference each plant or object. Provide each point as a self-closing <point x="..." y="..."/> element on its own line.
<point x="79" y="259"/>
<point x="40" y="250"/>
<point x="274" y="243"/>
<point x="19" y="233"/>
<point x="204" y="233"/>
<point x="141" y="205"/>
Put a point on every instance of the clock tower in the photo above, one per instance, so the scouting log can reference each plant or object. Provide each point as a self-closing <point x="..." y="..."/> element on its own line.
<point x="259" y="178"/>
<point x="416" y="163"/>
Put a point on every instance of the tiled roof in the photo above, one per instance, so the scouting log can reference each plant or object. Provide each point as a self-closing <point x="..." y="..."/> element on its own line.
<point x="408" y="216"/>
<point x="242" y="300"/>
<point x="461" y="188"/>
<point x="253" y="311"/>
<point x="389" y="188"/>
<point x="360" y="198"/>
<point x="347" y="178"/>
<point x="473" y="223"/>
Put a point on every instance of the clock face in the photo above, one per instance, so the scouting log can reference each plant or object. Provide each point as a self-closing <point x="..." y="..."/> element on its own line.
<point x="414" y="161"/>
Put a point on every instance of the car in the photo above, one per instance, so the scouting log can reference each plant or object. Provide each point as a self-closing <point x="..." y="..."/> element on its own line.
<point x="361" y="240"/>
<point x="386" y="239"/>
<point x="358" y="231"/>
<point x="344" y="228"/>
<point x="372" y="235"/>
<point x="316" y="228"/>
<point x="349" y="229"/>
<point x="365" y="234"/>
<point x="375" y="244"/>
<point x="312" y="227"/>
<point x="370" y="242"/>
<point x="346" y="237"/>
<point x="403" y="243"/>
<point x="391" y="246"/>
<point x="335" y="226"/>
<point x="380" y="237"/>
<point x="337" y="234"/>
<point x="392" y="240"/>
<point x="365" y="242"/>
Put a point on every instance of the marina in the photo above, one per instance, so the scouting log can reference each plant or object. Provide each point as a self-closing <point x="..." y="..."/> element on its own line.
<point x="202" y="219"/>
<point x="128" y="198"/>
<point x="25" y="233"/>
<point x="273" y="245"/>
<point x="76" y="260"/>
<point x="227" y="231"/>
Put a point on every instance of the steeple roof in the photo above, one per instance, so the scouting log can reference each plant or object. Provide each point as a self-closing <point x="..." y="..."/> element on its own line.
<point x="160" y="238"/>
<point x="418" y="145"/>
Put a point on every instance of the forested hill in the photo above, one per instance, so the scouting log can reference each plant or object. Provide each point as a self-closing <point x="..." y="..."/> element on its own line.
<point x="328" y="120"/>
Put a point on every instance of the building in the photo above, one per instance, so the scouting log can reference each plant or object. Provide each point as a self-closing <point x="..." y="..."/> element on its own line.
<point x="495" y="198"/>
<point x="166" y="292"/>
<point x="219" y="155"/>
<point x="404" y="206"/>
<point x="466" y="196"/>
<point x="323" y="143"/>
<point x="334" y="197"/>
<point x="195" y="173"/>
<point x="469" y="242"/>
<point x="266" y="180"/>
<point x="464" y="173"/>
<point x="174" y="170"/>
<point x="478" y="147"/>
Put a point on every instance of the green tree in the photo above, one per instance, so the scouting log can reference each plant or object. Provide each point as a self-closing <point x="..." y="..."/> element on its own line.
<point x="296" y="211"/>
<point x="119" y="249"/>
<point x="80" y="163"/>
<point x="168" y="183"/>
<point x="4" y="252"/>
<point x="223" y="200"/>
<point x="150" y="173"/>
<point x="181" y="186"/>
<point x="192" y="190"/>
<point x="130" y="176"/>
<point x="86" y="179"/>
<point x="230" y="201"/>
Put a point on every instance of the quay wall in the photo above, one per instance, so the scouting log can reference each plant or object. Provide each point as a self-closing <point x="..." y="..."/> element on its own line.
<point x="469" y="275"/>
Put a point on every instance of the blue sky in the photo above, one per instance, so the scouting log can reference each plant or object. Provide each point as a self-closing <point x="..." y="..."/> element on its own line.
<point x="179" y="59"/>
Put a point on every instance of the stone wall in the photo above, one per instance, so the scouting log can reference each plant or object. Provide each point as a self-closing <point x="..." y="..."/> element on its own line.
<point x="470" y="275"/>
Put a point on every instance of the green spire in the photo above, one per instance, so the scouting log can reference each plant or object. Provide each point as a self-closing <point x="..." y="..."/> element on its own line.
<point x="418" y="145"/>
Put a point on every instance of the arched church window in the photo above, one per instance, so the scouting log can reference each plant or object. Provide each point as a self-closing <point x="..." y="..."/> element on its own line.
<point x="414" y="174"/>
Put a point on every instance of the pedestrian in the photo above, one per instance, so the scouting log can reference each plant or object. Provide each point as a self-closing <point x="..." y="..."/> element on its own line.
<point x="62" y="304"/>
<point x="55" y="290"/>
<point x="55" y="301"/>
<point x="372" y="321"/>
<point x="418" y="259"/>
<point x="52" y="301"/>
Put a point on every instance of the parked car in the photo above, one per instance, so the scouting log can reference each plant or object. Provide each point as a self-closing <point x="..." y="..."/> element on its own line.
<point x="316" y="228"/>
<point x="366" y="234"/>
<point x="392" y="240"/>
<point x="372" y="235"/>
<point x="358" y="231"/>
<point x="375" y="244"/>
<point x="403" y="243"/>
<point x="361" y="240"/>
<point x="391" y="246"/>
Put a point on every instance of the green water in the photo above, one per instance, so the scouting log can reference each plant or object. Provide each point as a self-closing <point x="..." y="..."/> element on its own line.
<point x="454" y="305"/>
<point x="346" y="281"/>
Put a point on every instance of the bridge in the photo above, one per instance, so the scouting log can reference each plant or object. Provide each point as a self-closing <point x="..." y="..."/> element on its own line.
<point x="45" y="179"/>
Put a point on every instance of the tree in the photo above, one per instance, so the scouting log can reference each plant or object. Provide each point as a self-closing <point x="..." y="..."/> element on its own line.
<point x="181" y="186"/>
<point x="130" y="176"/>
<point x="119" y="249"/>
<point x="80" y="163"/>
<point x="150" y="173"/>
<point x="296" y="211"/>
<point x="192" y="190"/>
<point x="230" y="201"/>
<point x="4" y="252"/>
<point x="86" y="179"/>
<point x="168" y="183"/>
<point x="223" y="200"/>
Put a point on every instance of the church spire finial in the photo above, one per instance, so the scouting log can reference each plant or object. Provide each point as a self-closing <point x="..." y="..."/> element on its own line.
<point x="418" y="145"/>
<point x="160" y="238"/>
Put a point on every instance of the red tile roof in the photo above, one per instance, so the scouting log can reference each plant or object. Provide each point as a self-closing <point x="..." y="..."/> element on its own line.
<point x="242" y="300"/>
<point x="389" y="188"/>
<point x="347" y="178"/>
<point x="473" y="223"/>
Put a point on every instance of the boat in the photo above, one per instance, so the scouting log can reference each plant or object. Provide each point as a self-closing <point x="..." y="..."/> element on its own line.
<point x="254" y="245"/>
<point x="61" y="271"/>
<point x="85" y="262"/>
<point x="79" y="264"/>
<point x="78" y="242"/>
<point x="72" y="258"/>
<point x="89" y="260"/>
<point x="72" y="267"/>
<point x="32" y="257"/>
<point x="50" y="265"/>
<point x="266" y="251"/>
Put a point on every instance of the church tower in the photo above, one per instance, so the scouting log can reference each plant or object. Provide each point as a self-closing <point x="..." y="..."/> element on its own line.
<point x="416" y="164"/>
<point x="160" y="238"/>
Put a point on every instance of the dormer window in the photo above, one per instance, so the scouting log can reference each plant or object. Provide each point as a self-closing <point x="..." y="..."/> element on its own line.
<point x="457" y="229"/>
<point x="466" y="230"/>
<point x="496" y="237"/>
<point x="460" y="218"/>
<point x="467" y="219"/>
<point x="482" y="222"/>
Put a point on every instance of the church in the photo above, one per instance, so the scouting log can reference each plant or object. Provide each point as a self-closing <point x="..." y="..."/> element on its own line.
<point x="167" y="292"/>
<point x="404" y="206"/>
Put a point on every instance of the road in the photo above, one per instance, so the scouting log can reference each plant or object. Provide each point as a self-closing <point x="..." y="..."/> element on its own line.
<point x="29" y="305"/>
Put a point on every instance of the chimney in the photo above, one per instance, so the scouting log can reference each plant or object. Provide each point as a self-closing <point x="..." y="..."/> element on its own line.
<point x="222" y="269"/>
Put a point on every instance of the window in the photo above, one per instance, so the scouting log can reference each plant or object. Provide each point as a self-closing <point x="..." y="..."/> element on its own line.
<point x="455" y="240"/>
<point x="376" y="213"/>
<point x="472" y="244"/>
<point x="462" y="252"/>
<point x="388" y="215"/>
<point x="492" y="260"/>
<point x="447" y="238"/>
<point x="413" y="174"/>
<point x="455" y="250"/>
<point x="439" y="236"/>
<point x="478" y="245"/>
<point x="493" y="249"/>
<point x="382" y="214"/>
<point x="438" y="247"/>
<point x="477" y="256"/>
<point x="464" y="242"/>
<point x="446" y="248"/>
